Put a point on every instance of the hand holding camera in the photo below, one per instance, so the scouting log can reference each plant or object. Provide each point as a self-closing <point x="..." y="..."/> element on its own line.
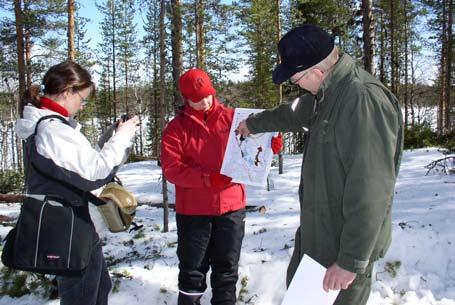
<point x="128" y="125"/>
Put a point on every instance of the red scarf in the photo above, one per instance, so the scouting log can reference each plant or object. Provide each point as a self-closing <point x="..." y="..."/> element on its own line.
<point x="49" y="104"/>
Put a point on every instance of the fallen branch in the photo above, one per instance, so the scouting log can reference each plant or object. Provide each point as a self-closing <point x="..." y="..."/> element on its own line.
<point x="4" y="218"/>
<point x="11" y="198"/>
<point x="443" y="166"/>
<point x="249" y="208"/>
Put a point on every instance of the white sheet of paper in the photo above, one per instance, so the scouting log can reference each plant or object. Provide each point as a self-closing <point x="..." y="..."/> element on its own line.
<point x="306" y="286"/>
<point x="247" y="161"/>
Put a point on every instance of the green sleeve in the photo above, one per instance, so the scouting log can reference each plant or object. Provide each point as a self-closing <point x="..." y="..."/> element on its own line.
<point x="366" y="141"/>
<point x="291" y="116"/>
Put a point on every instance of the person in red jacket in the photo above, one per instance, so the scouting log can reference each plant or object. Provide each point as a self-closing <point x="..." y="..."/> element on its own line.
<point x="210" y="209"/>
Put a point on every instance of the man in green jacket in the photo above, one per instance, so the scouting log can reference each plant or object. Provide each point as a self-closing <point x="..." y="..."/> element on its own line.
<point x="353" y="147"/>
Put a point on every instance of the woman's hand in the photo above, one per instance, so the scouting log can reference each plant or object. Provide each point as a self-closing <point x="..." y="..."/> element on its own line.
<point x="128" y="128"/>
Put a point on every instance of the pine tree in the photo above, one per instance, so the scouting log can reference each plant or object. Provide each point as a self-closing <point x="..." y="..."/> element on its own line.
<point x="20" y="48"/>
<point x="45" y="23"/>
<point x="83" y="54"/>
<point x="368" y="36"/>
<point x="108" y="50"/>
<point x="259" y="20"/>
<point x="209" y="38"/>
<point x="221" y="49"/>
<point x="199" y="13"/>
<point x="151" y="44"/>
<point x="71" y="9"/>
<point x="163" y="106"/>
<point x="441" y="25"/>
<point x="177" y="55"/>
<point x="127" y="48"/>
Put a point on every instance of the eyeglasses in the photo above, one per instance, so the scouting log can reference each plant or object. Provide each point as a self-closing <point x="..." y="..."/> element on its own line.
<point x="84" y="101"/>
<point x="294" y="82"/>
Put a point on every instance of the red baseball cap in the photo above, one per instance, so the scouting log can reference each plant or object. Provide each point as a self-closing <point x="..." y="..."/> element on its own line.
<point x="195" y="85"/>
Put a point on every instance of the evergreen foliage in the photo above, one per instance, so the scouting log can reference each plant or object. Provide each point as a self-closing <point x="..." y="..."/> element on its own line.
<point x="228" y="38"/>
<point x="11" y="181"/>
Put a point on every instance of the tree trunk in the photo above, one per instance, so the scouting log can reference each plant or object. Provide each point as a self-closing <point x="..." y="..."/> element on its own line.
<point x="413" y="81"/>
<point x="280" y="87"/>
<point x="382" y="42"/>
<point x="126" y="85"/>
<point x="393" y="55"/>
<point x="449" y="65"/>
<point x="11" y="198"/>
<point x="139" y="102"/>
<point x="71" y="30"/>
<point x="15" y="164"/>
<point x="177" y="54"/>
<point x="406" y="58"/>
<point x="443" y="74"/>
<point x="163" y="107"/>
<point x="155" y="100"/>
<point x="28" y="57"/>
<point x="368" y="36"/>
<point x="114" y="79"/>
<point x="20" y="50"/>
<point x="27" y="43"/>
<point x="200" y="39"/>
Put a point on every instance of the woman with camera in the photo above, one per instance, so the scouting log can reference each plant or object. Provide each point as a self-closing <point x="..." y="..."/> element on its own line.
<point x="61" y="162"/>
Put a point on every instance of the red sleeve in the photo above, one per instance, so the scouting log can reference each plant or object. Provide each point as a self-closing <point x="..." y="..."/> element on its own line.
<point x="172" y="160"/>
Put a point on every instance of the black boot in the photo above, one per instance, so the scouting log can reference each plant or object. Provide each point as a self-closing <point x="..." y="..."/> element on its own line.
<point x="186" y="299"/>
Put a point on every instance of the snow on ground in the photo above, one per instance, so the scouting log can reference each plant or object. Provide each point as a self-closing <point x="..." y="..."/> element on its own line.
<point x="419" y="268"/>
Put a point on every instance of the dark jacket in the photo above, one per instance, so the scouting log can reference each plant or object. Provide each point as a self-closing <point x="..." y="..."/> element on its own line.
<point x="193" y="148"/>
<point x="350" y="166"/>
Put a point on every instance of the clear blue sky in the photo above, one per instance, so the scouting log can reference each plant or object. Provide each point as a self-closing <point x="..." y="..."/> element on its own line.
<point x="89" y="10"/>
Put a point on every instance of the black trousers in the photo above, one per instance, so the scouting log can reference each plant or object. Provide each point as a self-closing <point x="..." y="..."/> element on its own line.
<point x="92" y="287"/>
<point x="209" y="242"/>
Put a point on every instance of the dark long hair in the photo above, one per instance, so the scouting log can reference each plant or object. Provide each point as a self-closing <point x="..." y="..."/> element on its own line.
<point x="58" y="79"/>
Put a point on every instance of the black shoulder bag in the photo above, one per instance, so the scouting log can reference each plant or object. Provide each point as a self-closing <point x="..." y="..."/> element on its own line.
<point x="49" y="236"/>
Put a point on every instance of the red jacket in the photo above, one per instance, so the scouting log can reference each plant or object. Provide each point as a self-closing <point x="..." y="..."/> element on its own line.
<point x="192" y="148"/>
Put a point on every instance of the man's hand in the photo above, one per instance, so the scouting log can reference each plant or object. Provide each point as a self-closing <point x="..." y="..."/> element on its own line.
<point x="242" y="129"/>
<point x="337" y="278"/>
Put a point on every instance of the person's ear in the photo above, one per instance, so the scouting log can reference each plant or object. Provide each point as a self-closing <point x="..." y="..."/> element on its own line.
<point x="319" y="73"/>
<point x="67" y="93"/>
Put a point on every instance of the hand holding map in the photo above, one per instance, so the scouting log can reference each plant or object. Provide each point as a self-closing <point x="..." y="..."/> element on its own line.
<point x="247" y="158"/>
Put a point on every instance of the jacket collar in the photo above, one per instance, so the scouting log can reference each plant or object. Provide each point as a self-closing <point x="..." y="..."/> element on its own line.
<point x="341" y="70"/>
<point x="47" y="103"/>
<point x="199" y="117"/>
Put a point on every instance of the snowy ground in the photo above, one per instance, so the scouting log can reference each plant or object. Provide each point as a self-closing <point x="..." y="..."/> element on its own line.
<point x="419" y="268"/>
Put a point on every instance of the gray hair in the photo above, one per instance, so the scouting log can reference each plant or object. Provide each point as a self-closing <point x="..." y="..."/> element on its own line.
<point x="327" y="63"/>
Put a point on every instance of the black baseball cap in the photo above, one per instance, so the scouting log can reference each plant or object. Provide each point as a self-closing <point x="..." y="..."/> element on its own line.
<point x="301" y="48"/>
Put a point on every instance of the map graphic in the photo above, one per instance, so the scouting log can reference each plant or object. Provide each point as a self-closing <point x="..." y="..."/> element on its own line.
<point x="247" y="160"/>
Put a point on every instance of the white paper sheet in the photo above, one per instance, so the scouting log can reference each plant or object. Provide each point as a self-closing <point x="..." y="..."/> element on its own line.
<point x="247" y="161"/>
<point x="306" y="286"/>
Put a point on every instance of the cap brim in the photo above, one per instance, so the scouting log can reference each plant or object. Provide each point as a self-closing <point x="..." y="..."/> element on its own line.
<point x="282" y="74"/>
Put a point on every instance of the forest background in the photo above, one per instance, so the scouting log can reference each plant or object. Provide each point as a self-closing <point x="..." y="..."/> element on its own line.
<point x="142" y="47"/>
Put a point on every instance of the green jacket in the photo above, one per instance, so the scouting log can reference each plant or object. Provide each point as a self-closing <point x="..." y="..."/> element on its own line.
<point x="350" y="165"/>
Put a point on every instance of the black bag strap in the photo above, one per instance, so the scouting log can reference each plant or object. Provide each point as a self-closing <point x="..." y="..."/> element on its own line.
<point x="47" y="117"/>
<point x="84" y="194"/>
<point x="57" y="198"/>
